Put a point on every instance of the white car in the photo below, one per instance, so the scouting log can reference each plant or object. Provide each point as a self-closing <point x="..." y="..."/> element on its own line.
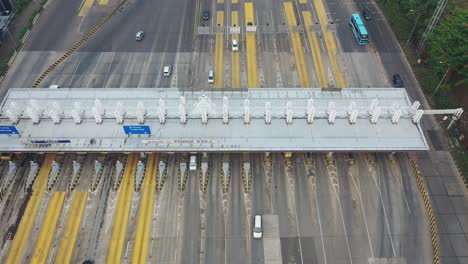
<point x="139" y="35"/>
<point x="235" y="46"/>
<point x="167" y="71"/>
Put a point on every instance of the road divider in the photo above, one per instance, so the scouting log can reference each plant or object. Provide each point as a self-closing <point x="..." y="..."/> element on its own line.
<point x="430" y="212"/>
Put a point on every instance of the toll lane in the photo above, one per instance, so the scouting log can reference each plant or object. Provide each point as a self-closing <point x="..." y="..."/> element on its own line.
<point x="145" y="212"/>
<point x="48" y="228"/>
<point x="330" y="44"/>
<point x="22" y="234"/>
<point x="67" y="241"/>
<point x="298" y="50"/>
<point x="314" y="43"/>
<point x="219" y="51"/>
<point x="121" y="215"/>
<point x="235" y="54"/>
<point x="251" y="46"/>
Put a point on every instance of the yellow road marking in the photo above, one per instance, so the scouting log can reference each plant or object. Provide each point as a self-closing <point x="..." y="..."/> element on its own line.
<point x="220" y="1"/>
<point x="219" y="51"/>
<point x="303" y="1"/>
<point x="316" y="52"/>
<point x="234" y="1"/>
<point x="330" y="43"/>
<point x="103" y="2"/>
<point x="85" y="7"/>
<point x="24" y="228"/>
<point x="121" y="212"/>
<point x="48" y="228"/>
<point x="145" y="212"/>
<point x="251" y="46"/>
<point x="298" y="51"/>
<point x="70" y="231"/>
<point x="235" y="55"/>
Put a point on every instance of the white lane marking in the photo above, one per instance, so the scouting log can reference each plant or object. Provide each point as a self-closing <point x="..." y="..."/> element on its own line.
<point x="147" y="64"/>
<point x="364" y="214"/>
<point x="341" y="211"/>
<point x="384" y="211"/>
<point x="126" y="69"/>
<point x="400" y="181"/>
<point x="158" y="80"/>
<point x="320" y="223"/>
<point x="74" y="72"/>
<point x="95" y="68"/>
<point x="295" y="211"/>
<point x="108" y="71"/>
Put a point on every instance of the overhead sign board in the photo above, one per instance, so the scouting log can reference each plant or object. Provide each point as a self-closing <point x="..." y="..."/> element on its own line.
<point x="137" y="130"/>
<point x="8" y="130"/>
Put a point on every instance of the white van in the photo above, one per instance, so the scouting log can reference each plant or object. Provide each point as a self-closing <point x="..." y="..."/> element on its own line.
<point x="54" y="86"/>
<point x="211" y="76"/>
<point x="258" y="231"/>
<point x="193" y="163"/>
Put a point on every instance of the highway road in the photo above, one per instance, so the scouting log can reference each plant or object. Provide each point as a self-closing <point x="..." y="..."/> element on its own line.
<point x="352" y="208"/>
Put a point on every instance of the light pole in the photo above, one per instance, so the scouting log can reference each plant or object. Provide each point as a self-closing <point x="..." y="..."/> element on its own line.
<point x="414" y="27"/>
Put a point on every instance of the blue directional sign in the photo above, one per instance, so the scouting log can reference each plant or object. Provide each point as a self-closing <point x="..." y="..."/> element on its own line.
<point x="137" y="130"/>
<point x="8" y="130"/>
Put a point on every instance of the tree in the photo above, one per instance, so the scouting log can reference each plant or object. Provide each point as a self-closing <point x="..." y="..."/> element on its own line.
<point x="448" y="43"/>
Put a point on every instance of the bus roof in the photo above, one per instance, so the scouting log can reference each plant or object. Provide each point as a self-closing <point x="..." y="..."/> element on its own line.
<point x="359" y="23"/>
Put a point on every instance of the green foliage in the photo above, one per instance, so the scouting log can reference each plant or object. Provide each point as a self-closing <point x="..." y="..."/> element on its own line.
<point x="31" y="18"/>
<point x="21" y="5"/>
<point x="43" y="2"/>
<point x="23" y="31"/>
<point x="448" y="43"/>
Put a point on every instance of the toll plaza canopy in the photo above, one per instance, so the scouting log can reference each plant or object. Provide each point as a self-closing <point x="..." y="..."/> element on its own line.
<point x="169" y="120"/>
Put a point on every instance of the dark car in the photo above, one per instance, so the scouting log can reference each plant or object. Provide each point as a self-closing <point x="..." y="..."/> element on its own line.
<point x="366" y="14"/>
<point x="206" y="15"/>
<point x="397" y="81"/>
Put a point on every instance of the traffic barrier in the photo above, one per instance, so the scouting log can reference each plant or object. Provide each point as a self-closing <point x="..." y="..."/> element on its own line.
<point x="78" y="44"/>
<point x="430" y="212"/>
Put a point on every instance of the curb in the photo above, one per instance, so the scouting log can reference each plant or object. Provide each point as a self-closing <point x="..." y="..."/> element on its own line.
<point x="430" y="212"/>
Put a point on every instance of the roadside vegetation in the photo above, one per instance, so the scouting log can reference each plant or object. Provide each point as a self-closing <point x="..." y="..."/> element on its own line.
<point x="442" y="67"/>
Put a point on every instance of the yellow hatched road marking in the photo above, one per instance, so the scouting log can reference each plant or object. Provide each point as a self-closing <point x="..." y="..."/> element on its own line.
<point x="251" y="46"/>
<point x="234" y="1"/>
<point x="24" y="228"/>
<point x="103" y="2"/>
<point x="303" y="1"/>
<point x="330" y="43"/>
<point x="316" y="52"/>
<point x="298" y="51"/>
<point x="48" y="228"/>
<point x="121" y="212"/>
<point x="219" y="51"/>
<point x="235" y="55"/>
<point x="70" y="231"/>
<point x="220" y="1"/>
<point x="145" y="212"/>
<point x="85" y="7"/>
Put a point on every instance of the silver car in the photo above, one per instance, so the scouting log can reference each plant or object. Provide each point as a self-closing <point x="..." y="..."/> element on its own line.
<point x="139" y="35"/>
